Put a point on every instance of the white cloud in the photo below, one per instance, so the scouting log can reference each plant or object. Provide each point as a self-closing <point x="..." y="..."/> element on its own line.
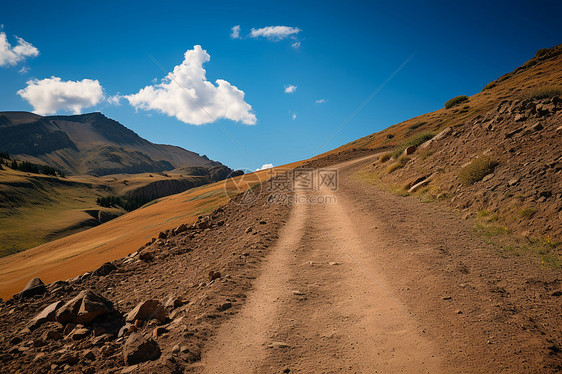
<point x="290" y="88"/>
<point x="50" y="95"/>
<point x="10" y="56"/>
<point x="294" y="116"/>
<point x="114" y="99"/>
<point x="296" y="45"/>
<point x="235" y="32"/>
<point x="24" y="70"/>
<point x="320" y="101"/>
<point x="265" y="166"/>
<point x="186" y="94"/>
<point x="275" y="32"/>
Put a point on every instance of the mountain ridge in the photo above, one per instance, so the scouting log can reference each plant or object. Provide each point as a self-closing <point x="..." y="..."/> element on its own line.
<point x="89" y="143"/>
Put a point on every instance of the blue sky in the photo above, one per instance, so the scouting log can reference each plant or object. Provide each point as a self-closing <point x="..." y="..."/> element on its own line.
<point x="347" y="50"/>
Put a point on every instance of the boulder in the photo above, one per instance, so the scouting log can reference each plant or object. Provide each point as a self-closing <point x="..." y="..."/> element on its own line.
<point x="105" y="269"/>
<point x="47" y="314"/>
<point x="138" y="349"/>
<point x="181" y="228"/>
<point x="84" y="308"/>
<point x="147" y="310"/>
<point x="409" y="150"/>
<point x="34" y="287"/>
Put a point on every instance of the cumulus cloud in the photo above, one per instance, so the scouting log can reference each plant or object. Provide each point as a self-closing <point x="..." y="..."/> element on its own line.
<point x="185" y="93"/>
<point x="264" y="167"/>
<point x="114" y="99"/>
<point x="293" y="116"/>
<point x="235" y="34"/>
<point x="10" y="56"/>
<point x="320" y="101"/>
<point x="275" y="32"/>
<point x="290" y="88"/>
<point x="296" y="45"/>
<point x="50" y="95"/>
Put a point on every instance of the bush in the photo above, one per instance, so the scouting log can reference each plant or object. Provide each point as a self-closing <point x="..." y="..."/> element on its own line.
<point x="398" y="164"/>
<point x="489" y="85"/>
<point x="385" y="157"/>
<point x="415" y="140"/>
<point x="455" y="101"/>
<point x="543" y="93"/>
<point x="417" y="124"/>
<point x="476" y="170"/>
<point x="128" y="203"/>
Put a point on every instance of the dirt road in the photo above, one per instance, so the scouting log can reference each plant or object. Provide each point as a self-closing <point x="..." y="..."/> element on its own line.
<point x="374" y="282"/>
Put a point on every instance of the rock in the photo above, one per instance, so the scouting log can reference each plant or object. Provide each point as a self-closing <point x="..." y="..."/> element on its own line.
<point x="159" y="331"/>
<point x="146" y="256"/>
<point x="278" y="345"/>
<point x="420" y="184"/>
<point x="38" y="342"/>
<point x="129" y="369"/>
<point x="297" y="293"/>
<point x="105" y="269"/>
<point x="162" y="235"/>
<point x="89" y="355"/>
<point x="333" y="263"/>
<point x="68" y="358"/>
<point x="47" y="314"/>
<point x="15" y="340"/>
<point x="410" y="150"/>
<point x="513" y="182"/>
<point x="124" y="330"/>
<point x="537" y="127"/>
<point x="488" y="177"/>
<point x="34" y="287"/>
<point x="147" y="310"/>
<point x="520" y="117"/>
<point x="52" y="335"/>
<point x="174" y="302"/>
<point x="79" y="333"/>
<point x="224" y="306"/>
<point x="214" y="275"/>
<point x="248" y="230"/>
<point x="138" y="349"/>
<point x="263" y="222"/>
<point x="180" y="229"/>
<point x="84" y="308"/>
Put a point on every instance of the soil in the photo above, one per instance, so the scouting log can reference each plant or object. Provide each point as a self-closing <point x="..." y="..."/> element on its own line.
<point x="373" y="283"/>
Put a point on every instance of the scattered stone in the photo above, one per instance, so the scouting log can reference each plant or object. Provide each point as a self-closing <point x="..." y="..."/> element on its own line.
<point x="446" y="298"/>
<point x="159" y="331"/>
<point x="138" y="349"/>
<point x="146" y="256"/>
<point x="34" y="287"/>
<point x="333" y="263"/>
<point x="47" y="314"/>
<point x="180" y="229"/>
<point x="123" y="330"/>
<point x="147" y="310"/>
<point x="223" y="307"/>
<point x="162" y="235"/>
<point x="214" y="275"/>
<point x="174" y="302"/>
<point x="297" y="293"/>
<point x="278" y="345"/>
<point x="105" y="269"/>
<point x="263" y="222"/>
<point x="79" y="333"/>
<point x="248" y="230"/>
<point x="513" y="182"/>
<point x="15" y="340"/>
<point x="84" y="308"/>
<point x="89" y="355"/>
<point x="52" y="335"/>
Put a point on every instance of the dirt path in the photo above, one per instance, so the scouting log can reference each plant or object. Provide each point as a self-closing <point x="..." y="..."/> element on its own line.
<point x="382" y="283"/>
<point x="322" y="305"/>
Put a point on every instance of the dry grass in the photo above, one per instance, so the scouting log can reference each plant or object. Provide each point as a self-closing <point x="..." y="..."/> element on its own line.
<point x="385" y="157"/>
<point x="542" y="93"/>
<point x="398" y="164"/>
<point x="415" y="140"/>
<point x="476" y="170"/>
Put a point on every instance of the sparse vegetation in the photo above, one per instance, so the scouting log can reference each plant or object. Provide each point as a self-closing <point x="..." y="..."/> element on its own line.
<point x="476" y="170"/>
<point x="398" y="164"/>
<point x="542" y="93"/>
<point x="455" y="101"/>
<point x="489" y="85"/>
<point x="528" y="212"/>
<point x="385" y="157"/>
<point x="415" y="140"/>
<point x="417" y="125"/>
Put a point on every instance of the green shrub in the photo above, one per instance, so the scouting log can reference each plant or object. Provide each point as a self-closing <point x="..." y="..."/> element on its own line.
<point x="542" y="93"/>
<point x="476" y="170"/>
<point x="415" y="140"/>
<point x="455" y="101"/>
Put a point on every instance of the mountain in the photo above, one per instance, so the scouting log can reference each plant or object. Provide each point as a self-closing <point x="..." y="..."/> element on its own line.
<point x="88" y="144"/>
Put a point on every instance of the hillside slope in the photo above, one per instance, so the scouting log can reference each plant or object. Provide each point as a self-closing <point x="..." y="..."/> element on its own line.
<point x="495" y="157"/>
<point x="88" y="144"/>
